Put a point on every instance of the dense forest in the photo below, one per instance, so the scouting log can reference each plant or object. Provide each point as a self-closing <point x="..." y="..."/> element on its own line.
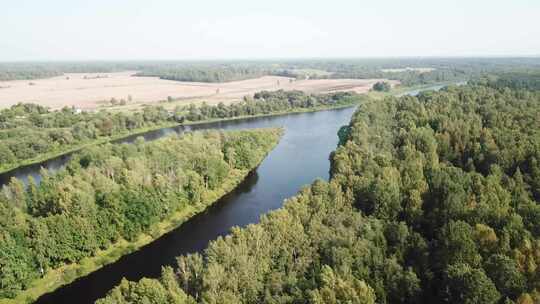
<point x="116" y="192"/>
<point x="529" y="80"/>
<point x="432" y="199"/>
<point x="29" y="131"/>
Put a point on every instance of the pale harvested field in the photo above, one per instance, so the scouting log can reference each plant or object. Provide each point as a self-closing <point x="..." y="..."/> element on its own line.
<point x="93" y="93"/>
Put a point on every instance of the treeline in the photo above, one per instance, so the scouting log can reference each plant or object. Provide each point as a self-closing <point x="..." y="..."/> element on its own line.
<point x="36" y="70"/>
<point x="26" y="73"/>
<point x="414" y="71"/>
<point x="405" y="77"/>
<point x="206" y="73"/>
<point x="267" y="102"/>
<point x="112" y="192"/>
<point x="432" y="199"/>
<point x="29" y="131"/>
<point x="382" y="86"/>
<point x="527" y="80"/>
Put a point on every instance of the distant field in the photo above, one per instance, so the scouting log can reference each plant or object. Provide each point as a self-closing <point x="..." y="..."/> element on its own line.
<point x="92" y="91"/>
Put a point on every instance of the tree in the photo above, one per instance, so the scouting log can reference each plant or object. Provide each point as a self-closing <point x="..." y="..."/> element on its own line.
<point x="506" y="275"/>
<point x="382" y="86"/>
<point x="335" y="290"/>
<point x="16" y="192"/>
<point x="467" y="285"/>
<point x="456" y="245"/>
<point x="6" y="155"/>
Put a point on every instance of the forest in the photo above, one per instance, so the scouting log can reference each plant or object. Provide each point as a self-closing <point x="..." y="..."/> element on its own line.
<point x="31" y="132"/>
<point x="112" y="192"/>
<point x="432" y="199"/>
<point x="529" y="80"/>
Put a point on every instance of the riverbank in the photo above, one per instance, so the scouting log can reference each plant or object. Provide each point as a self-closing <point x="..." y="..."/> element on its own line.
<point x="299" y="158"/>
<point x="68" y="273"/>
<point x="51" y="155"/>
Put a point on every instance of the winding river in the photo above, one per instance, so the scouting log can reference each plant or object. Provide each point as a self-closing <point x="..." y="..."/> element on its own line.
<point x="300" y="157"/>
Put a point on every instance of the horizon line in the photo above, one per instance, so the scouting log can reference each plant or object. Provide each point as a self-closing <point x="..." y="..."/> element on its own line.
<point x="222" y="59"/>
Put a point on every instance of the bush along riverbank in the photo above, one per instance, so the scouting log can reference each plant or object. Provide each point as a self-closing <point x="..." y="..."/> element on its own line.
<point x="112" y="199"/>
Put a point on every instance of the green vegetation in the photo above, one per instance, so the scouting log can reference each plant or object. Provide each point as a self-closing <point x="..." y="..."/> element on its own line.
<point x="31" y="133"/>
<point x="528" y="80"/>
<point x="432" y="199"/>
<point x="382" y="86"/>
<point x="37" y="70"/>
<point x="111" y="199"/>
<point x="210" y="73"/>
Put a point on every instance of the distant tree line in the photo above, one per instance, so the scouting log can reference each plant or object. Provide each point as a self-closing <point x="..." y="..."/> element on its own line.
<point x="27" y="74"/>
<point x="432" y="199"/>
<point x="112" y="192"/>
<point x="206" y="74"/>
<point x="527" y="80"/>
<point x="266" y="102"/>
<point x="438" y="69"/>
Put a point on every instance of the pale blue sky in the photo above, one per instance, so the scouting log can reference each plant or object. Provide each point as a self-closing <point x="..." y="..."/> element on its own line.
<point x="221" y="29"/>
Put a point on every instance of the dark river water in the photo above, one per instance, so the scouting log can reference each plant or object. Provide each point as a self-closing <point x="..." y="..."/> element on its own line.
<point x="300" y="157"/>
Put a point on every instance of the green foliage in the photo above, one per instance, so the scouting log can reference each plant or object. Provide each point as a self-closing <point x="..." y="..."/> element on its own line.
<point x="205" y="73"/>
<point x="343" y="135"/>
<point x="469" y="286"/>
<point x="111" y="192"/>
<point x="382" y="86"/>
<point x="28" y="131"/>
<point x="148" y="291"/>
<point x="527" y="80"/>
<point x="457" y="167"/>
<point x="432" y="199"/>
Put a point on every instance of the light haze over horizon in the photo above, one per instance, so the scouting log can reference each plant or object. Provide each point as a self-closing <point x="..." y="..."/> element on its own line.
<point x="60" y="30"/>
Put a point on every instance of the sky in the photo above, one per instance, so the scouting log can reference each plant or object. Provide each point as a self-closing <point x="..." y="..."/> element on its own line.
<point x="58" y="30"/>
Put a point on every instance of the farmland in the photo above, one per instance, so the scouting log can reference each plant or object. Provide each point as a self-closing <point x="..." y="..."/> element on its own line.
<point x="91" y="91"/>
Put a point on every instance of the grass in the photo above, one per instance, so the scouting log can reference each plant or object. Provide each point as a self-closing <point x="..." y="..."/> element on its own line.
<point x="68" y="273"/>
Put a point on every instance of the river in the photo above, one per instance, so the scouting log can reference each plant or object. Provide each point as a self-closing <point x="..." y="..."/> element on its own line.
<point x="300" y="157"/>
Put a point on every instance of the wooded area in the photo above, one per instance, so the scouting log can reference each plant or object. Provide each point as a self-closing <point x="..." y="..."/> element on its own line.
<point x="29" y="132"/>
<point x="206" y="74"/>
<point x="432" y="199"/>
<point x="114" y="192"/>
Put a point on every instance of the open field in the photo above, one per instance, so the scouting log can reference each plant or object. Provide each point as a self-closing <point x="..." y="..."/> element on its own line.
<point x="91" y="91"/>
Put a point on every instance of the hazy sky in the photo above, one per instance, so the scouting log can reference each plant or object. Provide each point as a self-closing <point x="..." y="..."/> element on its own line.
<point x="204" y="29"/>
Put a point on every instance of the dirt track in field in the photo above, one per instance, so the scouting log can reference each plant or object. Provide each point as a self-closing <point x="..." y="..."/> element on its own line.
<point x="92" y="91"/>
